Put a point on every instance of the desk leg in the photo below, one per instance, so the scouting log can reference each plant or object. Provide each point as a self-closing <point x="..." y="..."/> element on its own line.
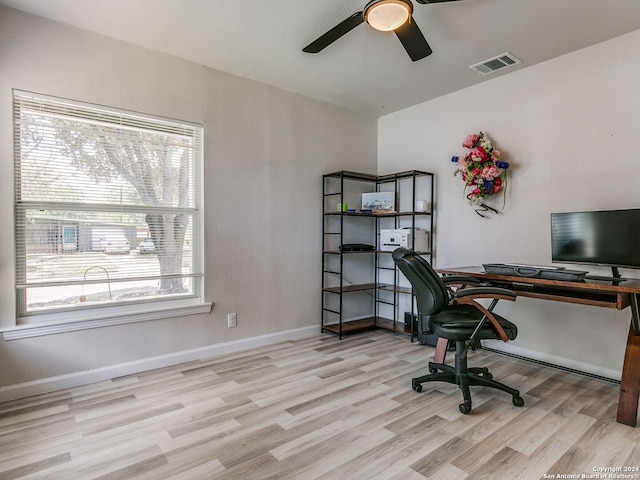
<point x="441" y="350"/>
<point x="630" y="383"/>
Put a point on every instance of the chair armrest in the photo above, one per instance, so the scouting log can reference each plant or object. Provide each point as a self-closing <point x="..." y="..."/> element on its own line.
<point x="486" y="292"/>
<point x="458" y="282"/>
<point x="468" y="296"/>
<point x="447" y="279"/>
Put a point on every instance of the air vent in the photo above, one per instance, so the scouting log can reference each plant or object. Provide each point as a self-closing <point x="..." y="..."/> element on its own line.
<point x="494" y="64"/>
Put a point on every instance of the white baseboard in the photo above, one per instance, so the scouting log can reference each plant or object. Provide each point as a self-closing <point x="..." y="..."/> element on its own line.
<point x="554" y="360"/>
<point x="36" y="387"/>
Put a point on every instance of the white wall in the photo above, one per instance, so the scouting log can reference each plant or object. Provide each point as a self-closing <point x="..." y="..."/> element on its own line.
<point x="265" y="153"/>
<point x="569" y="128"/>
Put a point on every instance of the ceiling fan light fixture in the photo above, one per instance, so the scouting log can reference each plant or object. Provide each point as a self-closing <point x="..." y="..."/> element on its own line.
<point x="387" y="15"/>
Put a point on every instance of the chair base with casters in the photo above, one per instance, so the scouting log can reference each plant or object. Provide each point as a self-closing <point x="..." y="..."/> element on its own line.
<point x="464" y="377"/>
<point x="457" y="316"/>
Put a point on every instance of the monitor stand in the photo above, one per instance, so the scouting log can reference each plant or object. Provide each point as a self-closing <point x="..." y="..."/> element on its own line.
<point x="615" y="277"/>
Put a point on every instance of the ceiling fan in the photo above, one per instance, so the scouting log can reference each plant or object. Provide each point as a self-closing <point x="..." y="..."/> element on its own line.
<point x="386" y="16"/>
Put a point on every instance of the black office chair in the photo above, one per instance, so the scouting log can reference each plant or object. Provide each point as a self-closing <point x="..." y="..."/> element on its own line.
<point x="454" y="314"/>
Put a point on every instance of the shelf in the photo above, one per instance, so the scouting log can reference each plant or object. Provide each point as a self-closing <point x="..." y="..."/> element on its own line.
<point x="391" y="251"/>
<point x="378" y="215"/>
<point x="392" y="177"/>
<point x="338" y="252"/>
<point x="367" y="286"/>
<point x="391" y="288"/>
<point x="354" y="326"/>
<point x="387" y="324"/>
<point x="351" y="288"/>
<point x="385" y="302"/>
<point x="367" y="177"/>
<point x="346" y="174"/>
<point x="351" y="326"/>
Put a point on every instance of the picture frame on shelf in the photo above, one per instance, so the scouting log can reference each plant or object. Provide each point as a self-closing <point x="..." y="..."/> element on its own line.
<point x="379" y="202"/>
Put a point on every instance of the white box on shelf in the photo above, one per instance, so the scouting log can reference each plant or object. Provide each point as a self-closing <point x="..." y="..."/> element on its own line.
<point x="403" y="237"/>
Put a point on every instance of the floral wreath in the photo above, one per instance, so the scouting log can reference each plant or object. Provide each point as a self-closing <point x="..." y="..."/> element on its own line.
<point x="483" y="171"/>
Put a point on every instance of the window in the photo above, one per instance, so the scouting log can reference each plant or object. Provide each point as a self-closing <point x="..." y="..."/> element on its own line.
<point x="91" y="184"/>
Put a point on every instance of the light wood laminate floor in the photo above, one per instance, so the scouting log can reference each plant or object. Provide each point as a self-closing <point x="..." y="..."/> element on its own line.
<point x="319" y="408"/>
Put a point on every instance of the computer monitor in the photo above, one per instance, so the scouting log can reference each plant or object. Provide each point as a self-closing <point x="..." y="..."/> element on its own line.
<point x="608" y="238"/>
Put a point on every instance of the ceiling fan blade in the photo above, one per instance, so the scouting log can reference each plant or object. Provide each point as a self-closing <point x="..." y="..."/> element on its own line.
<point x="335" y="33"/>
<point x="413" y="41"/>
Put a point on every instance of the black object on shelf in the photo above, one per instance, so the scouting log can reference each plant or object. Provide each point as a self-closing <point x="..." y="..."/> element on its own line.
<point x="357" y="247"/>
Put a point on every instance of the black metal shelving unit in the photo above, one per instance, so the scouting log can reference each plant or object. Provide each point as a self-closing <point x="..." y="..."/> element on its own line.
<point x="362" y="289"/>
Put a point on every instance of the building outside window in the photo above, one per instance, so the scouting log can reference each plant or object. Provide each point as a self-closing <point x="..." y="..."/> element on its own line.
<point x="92" y="184"/>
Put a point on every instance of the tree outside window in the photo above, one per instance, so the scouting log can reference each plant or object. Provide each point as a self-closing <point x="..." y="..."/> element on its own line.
<point x="91" y="184"/>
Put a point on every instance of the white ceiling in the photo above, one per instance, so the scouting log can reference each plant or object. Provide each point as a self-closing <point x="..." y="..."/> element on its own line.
<point x="366" y="70"/>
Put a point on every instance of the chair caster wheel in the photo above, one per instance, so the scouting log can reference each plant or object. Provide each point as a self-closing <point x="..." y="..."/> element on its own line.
<point x="464" y="408"/>
<point x="416" y="387"/>
<point x="518" y="401"/>
<point x="433" y="370"/>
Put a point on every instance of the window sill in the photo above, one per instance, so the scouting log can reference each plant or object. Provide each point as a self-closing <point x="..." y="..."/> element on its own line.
<point x="141" y="315"/>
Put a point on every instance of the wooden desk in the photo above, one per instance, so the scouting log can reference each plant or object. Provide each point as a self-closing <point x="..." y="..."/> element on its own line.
<point x="599" y="293"/>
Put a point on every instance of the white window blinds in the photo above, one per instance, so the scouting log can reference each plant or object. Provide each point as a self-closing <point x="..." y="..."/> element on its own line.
<point x="108" y="207"/>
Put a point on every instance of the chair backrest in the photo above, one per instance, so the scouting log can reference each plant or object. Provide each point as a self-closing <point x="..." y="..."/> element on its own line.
<point x="431" y="293"/>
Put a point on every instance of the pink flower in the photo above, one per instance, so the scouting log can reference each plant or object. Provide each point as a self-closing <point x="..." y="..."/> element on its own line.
<point x="481" y="168"/>
<point x="479" y="153"/>
<point x="490" y="172"/>
<point x="470" y="141"/>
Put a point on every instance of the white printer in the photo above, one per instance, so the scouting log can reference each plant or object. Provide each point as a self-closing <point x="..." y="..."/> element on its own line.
<point x="403" y="237"/>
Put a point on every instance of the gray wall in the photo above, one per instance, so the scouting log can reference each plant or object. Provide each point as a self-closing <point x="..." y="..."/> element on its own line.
<point x="264" y="154"/>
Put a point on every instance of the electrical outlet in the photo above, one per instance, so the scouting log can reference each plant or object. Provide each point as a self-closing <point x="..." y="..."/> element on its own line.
<point x="232" y="320"/>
